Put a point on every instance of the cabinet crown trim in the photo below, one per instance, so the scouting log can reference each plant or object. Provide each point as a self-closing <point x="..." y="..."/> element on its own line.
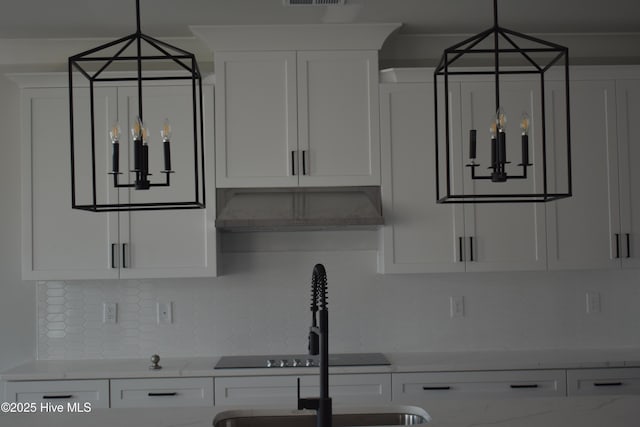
<point x="294" y="37"/>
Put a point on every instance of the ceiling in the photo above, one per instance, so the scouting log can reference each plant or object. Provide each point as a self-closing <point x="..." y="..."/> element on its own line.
<point x="171" y="18"/>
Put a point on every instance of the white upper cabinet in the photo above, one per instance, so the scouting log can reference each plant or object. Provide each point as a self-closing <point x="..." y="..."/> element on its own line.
<point x="338" y="118"/>
<point x="296" y="105"/>
<point x="419" y="235"/>
<point x="297" y="118"/>
<point x="628" y="109"/>
<point x="256" y="119"/>
<point x="61" y="243"/>
<point x="502" y="236"/>
<point x="584" y="230"/>
<point x="423" y="236"/>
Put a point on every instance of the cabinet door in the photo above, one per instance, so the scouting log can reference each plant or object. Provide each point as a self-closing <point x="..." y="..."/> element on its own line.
<point x="338" y="118"/>
<point x="256" y="119"/>
<point x="161" y="392"/>
<point x="419" y="235"/>
<point x="618" y="381"/>
<point x="628" y="110"/>
<point x="582" y="229"/>
<point x="59" y="242"/>
<point x="418" y="388"/>
<point x="503" y="236"/>
<point x="172" y="243"/>
<point x="76" y="393"/>
<point x="279" y="390"/>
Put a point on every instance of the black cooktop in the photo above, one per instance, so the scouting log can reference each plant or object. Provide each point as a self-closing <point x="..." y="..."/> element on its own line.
<point x="300" y="360"/>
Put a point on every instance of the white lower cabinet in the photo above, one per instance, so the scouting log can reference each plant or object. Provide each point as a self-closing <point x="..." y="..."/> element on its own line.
<point x="76" y="392"/>
<point x="581" y="382"/>
<point x="346" y="389"/>
<point x="161" y="392"/>
<point x="418" y="387"/>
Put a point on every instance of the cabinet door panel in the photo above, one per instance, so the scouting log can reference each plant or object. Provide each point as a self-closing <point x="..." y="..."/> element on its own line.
<point x="256" y="120"/>
<point x="504" y="236"/>
<point x="420" y="235"/>
<point x="58" y="241"/>
<point x="628" y="109"/>
<point x="582" y="228"/>
<point x="338" y="118"/>
<point x="173" y="243"/>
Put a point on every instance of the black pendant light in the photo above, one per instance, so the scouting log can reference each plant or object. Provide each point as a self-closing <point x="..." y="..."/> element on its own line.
<point x="133" y="61"/>
<point x="509" y="53"/>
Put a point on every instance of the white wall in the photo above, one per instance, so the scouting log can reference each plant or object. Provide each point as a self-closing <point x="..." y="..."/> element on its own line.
<point x="17" y="308"/>
<point x="261" y="306"/>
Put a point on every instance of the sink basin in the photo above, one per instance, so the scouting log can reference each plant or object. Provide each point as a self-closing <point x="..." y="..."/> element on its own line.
<point x="389" y="416"/>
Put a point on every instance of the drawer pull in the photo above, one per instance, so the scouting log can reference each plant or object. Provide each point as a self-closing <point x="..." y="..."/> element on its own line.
<point x="436" y="387"/>
<point x="57" y="396"/>
<point x="524" y="386"/>
<point x="172" y="393"/>
<point x="608" y="384"/>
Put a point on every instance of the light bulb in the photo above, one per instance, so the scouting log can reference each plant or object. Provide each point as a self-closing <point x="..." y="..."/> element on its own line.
<point x="137" y="129"/>
<point x="114" y="133"/>
<point x="165" y="133"/>
<point x="525" y="122"/>
<point x="501" y="119"/>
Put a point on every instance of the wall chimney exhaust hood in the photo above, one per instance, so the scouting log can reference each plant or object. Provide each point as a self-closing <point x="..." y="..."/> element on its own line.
<point x="304" y="208"/>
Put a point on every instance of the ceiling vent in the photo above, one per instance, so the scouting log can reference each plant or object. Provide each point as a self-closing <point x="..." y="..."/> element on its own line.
<point x="314" y="2"/>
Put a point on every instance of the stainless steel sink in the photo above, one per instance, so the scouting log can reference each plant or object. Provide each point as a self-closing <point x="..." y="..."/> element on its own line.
<point x="392" y="416"/>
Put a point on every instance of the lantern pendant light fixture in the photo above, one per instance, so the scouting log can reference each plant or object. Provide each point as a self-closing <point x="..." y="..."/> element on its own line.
<point x="510" y="159"/>
<point x="133" y="61"/>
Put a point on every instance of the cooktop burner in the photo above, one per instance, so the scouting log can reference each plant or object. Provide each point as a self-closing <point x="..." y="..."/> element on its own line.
<point x="301" y="360"/>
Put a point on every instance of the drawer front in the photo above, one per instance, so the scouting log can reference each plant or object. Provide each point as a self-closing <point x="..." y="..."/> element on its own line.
<point x="603" y="381"/>
<point x="416" y="388"/>
<point x="94" y="392"/>
<point x="282" y="390"/>
<point x="161" y="392"/>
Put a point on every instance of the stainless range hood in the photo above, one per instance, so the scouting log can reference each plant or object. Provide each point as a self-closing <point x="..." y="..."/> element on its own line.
<point x="304" y="208"/>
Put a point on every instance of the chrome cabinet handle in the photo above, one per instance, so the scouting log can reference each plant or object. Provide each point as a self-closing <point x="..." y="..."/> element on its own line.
<point x="114" y="255"/>
<point x="124" y="255"/>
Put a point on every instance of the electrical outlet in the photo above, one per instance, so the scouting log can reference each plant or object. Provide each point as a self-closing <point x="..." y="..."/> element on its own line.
<point x="457" y="306"/>
<point x="165" y="315"/>
<point x="110" y="312"/>
<point x="594" y="304"/>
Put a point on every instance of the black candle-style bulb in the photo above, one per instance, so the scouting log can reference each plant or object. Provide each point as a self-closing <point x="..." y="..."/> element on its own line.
<point x="115" y="160"/>
<point x="525" y="149"/>
<point x="502" y="148"/>
<point x="165" y="133"/>
<point x="494" y="152"/>
<point x="472" y="144"/>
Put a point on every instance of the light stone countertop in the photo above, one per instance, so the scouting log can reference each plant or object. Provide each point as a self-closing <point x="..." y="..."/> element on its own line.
<point x="609" y="411"/>
<point x="400" y="362"/>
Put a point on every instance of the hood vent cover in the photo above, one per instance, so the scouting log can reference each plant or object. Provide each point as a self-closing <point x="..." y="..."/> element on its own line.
<point x="314" y="2"/>
<point x="270" y="209"/>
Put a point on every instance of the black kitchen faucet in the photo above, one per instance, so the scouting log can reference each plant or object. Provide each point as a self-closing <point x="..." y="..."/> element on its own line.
<point x="319" y="344"/>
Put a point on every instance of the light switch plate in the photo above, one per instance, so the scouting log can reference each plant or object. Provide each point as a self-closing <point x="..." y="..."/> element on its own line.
<point x="594" y="304"/>
<point x="456" y="306"/>
<point x="110" y="312"/>
<point x="165" y="313"/>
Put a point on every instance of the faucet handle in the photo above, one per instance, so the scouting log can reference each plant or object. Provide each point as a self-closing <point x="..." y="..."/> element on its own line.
<point x="314" y="341"/>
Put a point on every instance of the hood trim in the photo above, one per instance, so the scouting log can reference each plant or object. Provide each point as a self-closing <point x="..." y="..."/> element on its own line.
<point x="298" y="208"/>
